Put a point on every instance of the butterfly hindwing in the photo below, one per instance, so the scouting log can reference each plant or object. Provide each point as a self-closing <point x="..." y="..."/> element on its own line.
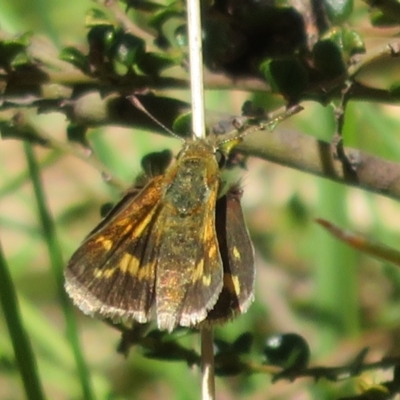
<point x="237" y="256"/>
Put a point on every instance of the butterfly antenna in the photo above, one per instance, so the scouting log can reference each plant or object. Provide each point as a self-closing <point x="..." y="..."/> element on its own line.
<point x="139" y="105"/>
<point x="274" y="121"/>
<point x="271" y="124"/>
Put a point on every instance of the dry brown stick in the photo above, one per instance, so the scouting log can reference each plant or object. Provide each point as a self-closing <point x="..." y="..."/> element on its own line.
<point x="291" y="148"/>
<point x="303" y="152"/>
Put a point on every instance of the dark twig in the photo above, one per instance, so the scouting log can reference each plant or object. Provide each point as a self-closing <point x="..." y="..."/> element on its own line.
<point x="303" y="152"/>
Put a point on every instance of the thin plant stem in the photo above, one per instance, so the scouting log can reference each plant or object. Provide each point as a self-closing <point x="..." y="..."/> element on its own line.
<point x="14" y="183"/>
<point x="23" y="351"/>
<point x="196" y="67"/>
<point x="57" y="263"/>
<point x="207" y="364"/>
<point x="199" y="132"/>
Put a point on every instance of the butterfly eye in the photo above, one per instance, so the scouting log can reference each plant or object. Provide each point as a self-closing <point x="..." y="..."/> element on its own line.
<point x="221" y="158"/>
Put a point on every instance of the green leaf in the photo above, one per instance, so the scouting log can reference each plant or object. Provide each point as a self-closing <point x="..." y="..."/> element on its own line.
<point x="166" y="22"/>
<point x="243" y="343"/>
<point x="181" y="37"/>
<point x="142" y="5"/>
<point x="338" y="10"/>
<point x="102" y="37"/>
<point x="21" y="58"/>
<point x="380" y="19"/>
<point x="156" y="163"/>
<point x="77" y="133"/>
<point x="183" y="124"/>
<point x="95" y="17"/>
<point x="228" y="365"/>
<point x="153" y="63"/>
<point x="286" y="76"/>
<point x="389" y="9"/>
<point x="288" y="350"/>
<point x="13" y="51"/>
<point x="75" y="57"/>
<point x="175" y="9"/>
<point x="348" y="41"/>
<point x="328" y="59"/>
<point x="128" y="49"/>
<point x="227" y="358"/>
<point x="333" y="52"/>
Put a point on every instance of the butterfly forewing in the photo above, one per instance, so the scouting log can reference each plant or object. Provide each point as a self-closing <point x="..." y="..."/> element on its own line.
<point x="107" y="275"/>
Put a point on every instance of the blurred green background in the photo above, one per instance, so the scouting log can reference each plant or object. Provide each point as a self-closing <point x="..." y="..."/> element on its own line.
<point x="307" y="282"/>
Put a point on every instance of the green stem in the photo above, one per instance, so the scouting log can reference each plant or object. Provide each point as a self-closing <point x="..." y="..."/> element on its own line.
<point x="22" y="347"/>
<point x="336" y="272"/>
<point x="13" y="184"/>
<point x="57" y="263"/>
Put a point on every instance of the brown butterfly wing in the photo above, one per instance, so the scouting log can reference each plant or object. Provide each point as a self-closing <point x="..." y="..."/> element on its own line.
<point x="237" y="256"/>
<point x="107" y="275"/>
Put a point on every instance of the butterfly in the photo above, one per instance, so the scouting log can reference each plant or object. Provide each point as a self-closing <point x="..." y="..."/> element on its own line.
<point x="175" y="250"/>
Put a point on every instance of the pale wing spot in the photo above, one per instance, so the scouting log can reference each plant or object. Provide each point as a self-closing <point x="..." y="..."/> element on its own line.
<point x="106" y="243"/>
<point x="236" y="253"/>
<point x="129" y="264"/>
<point x="104" y="273"/>
<point x="236" y="284"/>
<point x="98" y="273"/>
<point x="139" y="228"/>
<point x="199" y="271"/>
<point x="207" y="280"/>
<point x="124" y="262"/>
<point x="231" y="282"/>
<point x="212" y="252"/>
<point x="145" y="272"/>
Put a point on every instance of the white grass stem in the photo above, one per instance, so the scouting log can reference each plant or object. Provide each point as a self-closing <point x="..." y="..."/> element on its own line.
<point x="207" y="364"/>
<point x="196" y="67"/>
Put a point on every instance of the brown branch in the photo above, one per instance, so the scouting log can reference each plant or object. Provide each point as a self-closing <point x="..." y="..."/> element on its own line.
<point x="305" y="153"/>
<point x="385" y="52"/>
<point x="289" y="148"/>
